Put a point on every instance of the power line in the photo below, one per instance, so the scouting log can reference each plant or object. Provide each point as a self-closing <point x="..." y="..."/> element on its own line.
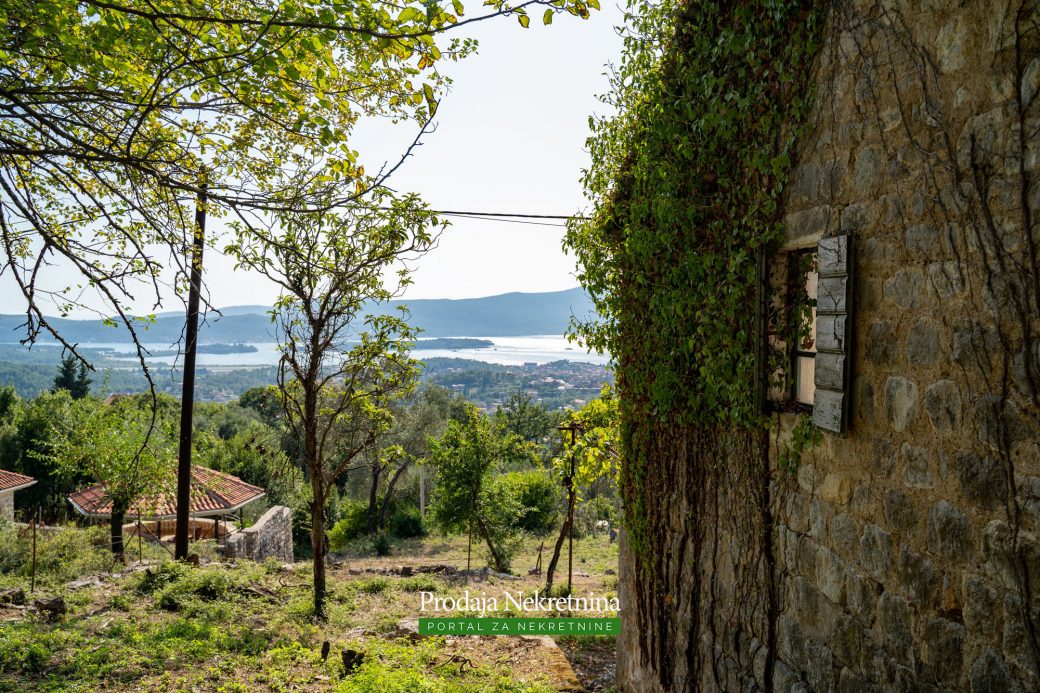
<point x="511" y="215"/>
<point x="505" y="220"/>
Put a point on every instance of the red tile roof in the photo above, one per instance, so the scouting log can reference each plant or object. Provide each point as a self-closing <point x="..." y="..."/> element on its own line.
<point x="9" y="481"/>
<point x="212" y="493"/>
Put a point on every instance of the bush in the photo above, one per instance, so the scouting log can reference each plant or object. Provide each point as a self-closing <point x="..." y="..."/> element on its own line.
<point x="589" y="512"/>
<point x="175" y="588"/>
<point x="406" y="523"/>
<point x="381" y="544"/>
<point x="168" y="572"/>
<point x="61" y="554"/>
<point x="353" y="525"/>
<point x="539" y="497"/>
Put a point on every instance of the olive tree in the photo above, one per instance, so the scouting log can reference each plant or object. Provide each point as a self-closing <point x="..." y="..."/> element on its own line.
<point x="341" y="370"/>
<point x="120" y="446"/>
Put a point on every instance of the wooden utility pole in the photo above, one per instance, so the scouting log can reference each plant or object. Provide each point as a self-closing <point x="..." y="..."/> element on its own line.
<point x="191" y="331"/>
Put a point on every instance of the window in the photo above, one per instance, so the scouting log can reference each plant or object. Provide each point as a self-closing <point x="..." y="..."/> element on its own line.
<point x="803" y="307"/>
<point x="792" y="330"/>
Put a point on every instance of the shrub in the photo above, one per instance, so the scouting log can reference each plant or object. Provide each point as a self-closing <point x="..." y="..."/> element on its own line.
<point x="376" y="585"/>
<point x="406" y="523"/>
<point x="61" y="554"/>
<point x="176" y="585"/>
<point x="353" y="525"/>
<point x="381" y="544"/>
<point x="589" y="512"/>
<point x="165" y="574"/>
<point x="539" y="497"/>
<point x="418" y="583"/>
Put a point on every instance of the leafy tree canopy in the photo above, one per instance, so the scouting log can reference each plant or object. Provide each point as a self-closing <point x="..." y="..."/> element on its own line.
<point x="115" y="115"/>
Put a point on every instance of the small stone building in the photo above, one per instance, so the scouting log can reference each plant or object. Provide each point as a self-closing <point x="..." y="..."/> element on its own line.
<point x="10" y="482"/>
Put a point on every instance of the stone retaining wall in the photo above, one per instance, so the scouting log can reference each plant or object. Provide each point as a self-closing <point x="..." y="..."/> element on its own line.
<point x="269" y="537"/>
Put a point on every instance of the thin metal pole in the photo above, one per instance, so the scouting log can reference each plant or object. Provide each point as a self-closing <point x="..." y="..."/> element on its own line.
<point x="32" y="585"/>
<point x="191" y="331"/>
<point x="570" y="516"/>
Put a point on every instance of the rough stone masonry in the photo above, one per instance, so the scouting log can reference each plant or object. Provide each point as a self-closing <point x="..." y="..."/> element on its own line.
<point x="269" y="537"/>
<point x="907" y="549"/>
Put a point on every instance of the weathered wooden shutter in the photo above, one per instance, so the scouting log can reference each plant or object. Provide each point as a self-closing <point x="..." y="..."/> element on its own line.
<point x="833" y="333"/>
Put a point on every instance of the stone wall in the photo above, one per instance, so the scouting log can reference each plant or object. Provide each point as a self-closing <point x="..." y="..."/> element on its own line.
<point x="7" y="505"/>
<point x="269" y="537"/>
<point x="907" y="552"/>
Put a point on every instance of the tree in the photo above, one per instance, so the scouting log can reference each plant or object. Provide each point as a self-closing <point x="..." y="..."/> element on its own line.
<point x="337" y="399"/>
<point x="416" y="421"/>
<point x="120" y="446"/>
<point x="116" y="116"/>
<point x="466" y="458"/>
<point x="72" y="376"/>
<point x="33" y="427"/>
<point x="533" y="422"/>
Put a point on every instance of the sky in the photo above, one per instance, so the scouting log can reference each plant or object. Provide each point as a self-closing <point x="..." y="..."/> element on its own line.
<point x="510" y="138"/>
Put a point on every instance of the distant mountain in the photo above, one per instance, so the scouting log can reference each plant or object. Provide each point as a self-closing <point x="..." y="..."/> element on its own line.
<point x="512" y="314"/>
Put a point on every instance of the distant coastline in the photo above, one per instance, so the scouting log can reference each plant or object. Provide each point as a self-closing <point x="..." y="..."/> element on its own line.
<point x="452" y="343"/>
<point x="218" y="348"/>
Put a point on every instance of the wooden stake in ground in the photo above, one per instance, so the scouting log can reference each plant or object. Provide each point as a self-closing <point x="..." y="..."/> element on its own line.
<point x="32" y="584"/>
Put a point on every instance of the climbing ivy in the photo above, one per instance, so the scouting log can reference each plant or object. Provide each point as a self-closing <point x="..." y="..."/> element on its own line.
<point x="686" y="182"/>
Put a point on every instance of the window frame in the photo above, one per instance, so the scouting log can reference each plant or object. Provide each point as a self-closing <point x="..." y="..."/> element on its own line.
<point x="797" y="280"/>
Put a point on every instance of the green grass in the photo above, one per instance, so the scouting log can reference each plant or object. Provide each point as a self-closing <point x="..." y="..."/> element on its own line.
<point x="250" y="627"/>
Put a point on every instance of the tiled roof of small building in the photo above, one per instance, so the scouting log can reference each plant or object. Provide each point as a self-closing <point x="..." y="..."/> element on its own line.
<point x="212" y="493"/>
<point x="10" y="481"/>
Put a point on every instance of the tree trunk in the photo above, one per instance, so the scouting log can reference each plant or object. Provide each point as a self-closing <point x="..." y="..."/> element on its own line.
<point x="564" y="531"/>
<point x="319" y="546"/>
<point x="315" y="465"/>
<point x="389" y="495"/>
<point x="373" y="500"/>
<point x="116" y="524"/>
<point x="500" y="565"/>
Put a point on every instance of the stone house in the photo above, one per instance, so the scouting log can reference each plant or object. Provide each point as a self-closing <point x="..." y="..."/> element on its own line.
<point x="10" y="482"/>
<point x="907" y="543"/>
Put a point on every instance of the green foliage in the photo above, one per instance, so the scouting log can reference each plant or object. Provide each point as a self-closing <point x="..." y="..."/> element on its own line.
<point x="406" y="523"/>
<point x="538" y="496"/>
<point x="209" y="586"/>
<point x="165" y="574"/>
<point x="248" y="101"/>
<point x="353" y="525"/>
<point x="531" y="421"/>
<point x="253" y="453"/>
<point x="61" y="555"/>
<point x="126" y="447"/>
<point x="596" y="447"/>
<point x="266" y="401"/>
<point x="804" y="436"/>
<point x="72" y="376"/>
<point x="592" y="511"/>
<point x="687" y="179"/>
<point x="28" y="437"/>
<point x="466" y="458"/>
<point x="381" y="544"/>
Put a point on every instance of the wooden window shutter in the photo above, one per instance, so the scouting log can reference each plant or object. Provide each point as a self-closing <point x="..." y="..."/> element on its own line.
<point x="833" y="333"/>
